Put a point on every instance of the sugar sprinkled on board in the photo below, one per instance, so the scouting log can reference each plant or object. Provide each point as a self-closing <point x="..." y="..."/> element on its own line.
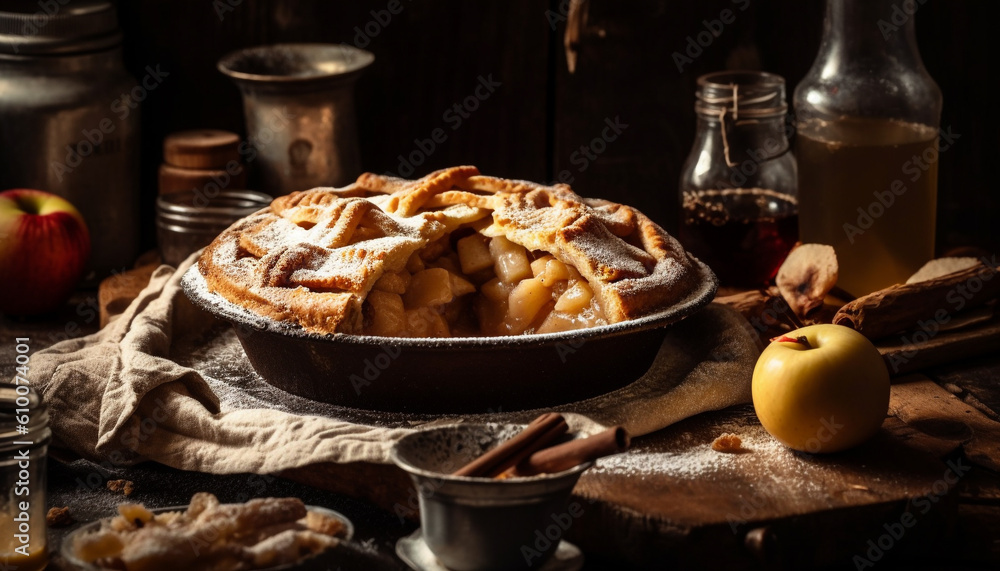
<point x="762" y="459"/>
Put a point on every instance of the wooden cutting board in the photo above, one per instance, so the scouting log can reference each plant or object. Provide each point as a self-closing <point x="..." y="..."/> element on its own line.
<point x="674" y="502"/>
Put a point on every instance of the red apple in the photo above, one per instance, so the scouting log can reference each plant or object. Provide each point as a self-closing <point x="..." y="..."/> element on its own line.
<point x="44" y="246"/>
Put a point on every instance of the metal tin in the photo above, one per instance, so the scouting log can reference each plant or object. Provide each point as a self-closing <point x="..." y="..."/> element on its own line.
<point x="299" y="105"/>
<point x="70" y="116"/>
<point x="188" y="221"/>
<point x="484" y="523"/>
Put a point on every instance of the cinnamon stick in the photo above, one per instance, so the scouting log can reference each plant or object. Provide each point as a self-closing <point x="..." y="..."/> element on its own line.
<point x="904" y="306"/>
<point x="765" y="309"/>
<point x="542" y="432"/>
<point x="575" y="452"/>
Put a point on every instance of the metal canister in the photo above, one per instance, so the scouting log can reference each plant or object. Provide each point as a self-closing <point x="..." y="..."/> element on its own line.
<point x="70" y="117"/>
<point x="187" y="221"/>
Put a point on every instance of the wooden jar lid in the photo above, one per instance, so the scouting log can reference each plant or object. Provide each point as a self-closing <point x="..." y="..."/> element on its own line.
<point x="173" y="179"/>
<point x="201" y="149"/>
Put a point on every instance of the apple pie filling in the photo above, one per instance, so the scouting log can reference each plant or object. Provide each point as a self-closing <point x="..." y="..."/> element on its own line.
<point x="453" y="254"/>
<point x="467" y="284"/>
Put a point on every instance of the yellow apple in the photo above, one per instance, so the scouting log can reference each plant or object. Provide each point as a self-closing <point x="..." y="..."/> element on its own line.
<point x="822" y="388"/>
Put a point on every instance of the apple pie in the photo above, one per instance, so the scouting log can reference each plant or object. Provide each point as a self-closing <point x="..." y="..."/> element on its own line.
<point x="454" y="254"/>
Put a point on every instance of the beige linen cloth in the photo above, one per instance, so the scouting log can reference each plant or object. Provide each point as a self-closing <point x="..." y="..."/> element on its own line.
<point x="121" y="395"/>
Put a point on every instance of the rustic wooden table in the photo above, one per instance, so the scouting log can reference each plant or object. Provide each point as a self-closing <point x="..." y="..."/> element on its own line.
<point x="924" y="492"/>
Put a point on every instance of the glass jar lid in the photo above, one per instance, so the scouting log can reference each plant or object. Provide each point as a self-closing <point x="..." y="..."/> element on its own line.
<point x="746" y="93"/>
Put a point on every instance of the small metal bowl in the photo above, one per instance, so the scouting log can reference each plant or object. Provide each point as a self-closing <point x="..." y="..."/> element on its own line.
<point x="484" y="523"/>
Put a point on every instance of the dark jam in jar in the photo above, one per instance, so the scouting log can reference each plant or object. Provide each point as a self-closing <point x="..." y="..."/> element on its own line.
<point x="743" y="234"/>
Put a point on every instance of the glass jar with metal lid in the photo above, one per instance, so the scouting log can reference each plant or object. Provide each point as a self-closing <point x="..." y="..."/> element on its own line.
<point x="187" y="221"/>
<point x="738" y="185"/>
<point x="24" y="441"/>
<point x="70" y="116"/>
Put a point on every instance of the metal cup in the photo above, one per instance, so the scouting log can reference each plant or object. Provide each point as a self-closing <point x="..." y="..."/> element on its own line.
<point x="477" y="524"/>
<point x="298" y="100"/>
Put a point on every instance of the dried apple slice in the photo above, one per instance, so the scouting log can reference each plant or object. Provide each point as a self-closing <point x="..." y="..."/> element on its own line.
<point x="807" y="275"/>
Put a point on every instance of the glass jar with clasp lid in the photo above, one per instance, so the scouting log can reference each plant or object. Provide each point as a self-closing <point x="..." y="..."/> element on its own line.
<point x="24" y="441"/>
<point x="738" y="186"/>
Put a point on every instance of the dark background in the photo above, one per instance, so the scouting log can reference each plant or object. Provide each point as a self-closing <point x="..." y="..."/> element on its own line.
<point x="431" y="54"/>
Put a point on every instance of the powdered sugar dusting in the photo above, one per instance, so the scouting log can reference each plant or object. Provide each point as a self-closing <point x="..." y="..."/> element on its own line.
<point x="763" y="460"/>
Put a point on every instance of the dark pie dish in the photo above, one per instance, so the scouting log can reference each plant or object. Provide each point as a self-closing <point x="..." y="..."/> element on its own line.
<point x="450" y="375"/>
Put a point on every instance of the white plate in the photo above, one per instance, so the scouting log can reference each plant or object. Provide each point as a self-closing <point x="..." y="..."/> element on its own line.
<point x="67" y="545"/>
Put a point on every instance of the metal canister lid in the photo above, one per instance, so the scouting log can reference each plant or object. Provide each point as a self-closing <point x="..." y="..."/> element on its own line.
<point x="189" y="220"/>
<point x="51" y="27"/>
<point x="230" y="204"/>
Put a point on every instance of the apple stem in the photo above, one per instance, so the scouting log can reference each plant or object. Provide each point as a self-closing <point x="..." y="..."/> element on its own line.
<point x="801" y="340"/>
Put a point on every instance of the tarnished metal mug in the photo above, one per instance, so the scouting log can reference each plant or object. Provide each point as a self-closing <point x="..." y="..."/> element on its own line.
<point x="298" y="100"/>
<point x="485" y="524"/>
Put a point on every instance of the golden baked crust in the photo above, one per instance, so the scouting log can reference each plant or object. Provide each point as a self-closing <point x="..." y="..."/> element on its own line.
<point x="313" y="257"/>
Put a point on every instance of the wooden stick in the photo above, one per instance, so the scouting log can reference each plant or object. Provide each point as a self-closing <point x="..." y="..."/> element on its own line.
<point x="542" y="432"/>
<point x="903" y="306"/>
<point x="575" y="452"/>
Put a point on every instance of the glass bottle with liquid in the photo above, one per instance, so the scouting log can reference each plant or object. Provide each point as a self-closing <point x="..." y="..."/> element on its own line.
<point x="867" y="115"/>
<point x="738" y="185"/>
